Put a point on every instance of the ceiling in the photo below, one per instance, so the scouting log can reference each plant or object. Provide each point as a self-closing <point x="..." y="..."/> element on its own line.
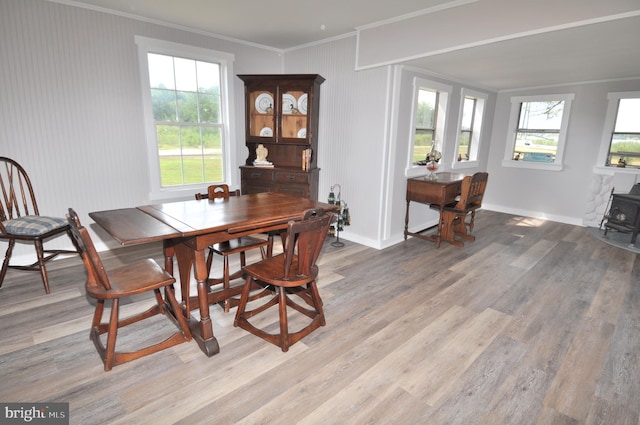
<point x="602" y="50"/>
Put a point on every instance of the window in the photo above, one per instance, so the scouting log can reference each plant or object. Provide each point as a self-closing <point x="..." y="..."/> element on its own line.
<point x="185" y="97"/>
<point x="471" y="114"/>
<point x="624" y="140"/>
<point x="537" y="131"/>
<point x="430" y="105"/>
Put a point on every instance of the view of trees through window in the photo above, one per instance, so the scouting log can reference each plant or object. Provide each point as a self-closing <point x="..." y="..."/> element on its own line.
<point x="186" y="101"/>
<point x="538" y="131"/>
<point x="425" y="124"/>
<point x="625" y="139"/>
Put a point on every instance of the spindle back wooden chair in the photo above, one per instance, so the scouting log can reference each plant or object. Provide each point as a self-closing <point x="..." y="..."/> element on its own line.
<point x="20" y="220"/>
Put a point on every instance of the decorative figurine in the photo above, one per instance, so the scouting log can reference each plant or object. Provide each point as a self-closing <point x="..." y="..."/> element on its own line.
<point x="261" y="153"/>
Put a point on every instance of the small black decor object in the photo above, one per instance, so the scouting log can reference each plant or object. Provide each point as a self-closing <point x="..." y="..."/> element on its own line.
<point x="341" y="218"/>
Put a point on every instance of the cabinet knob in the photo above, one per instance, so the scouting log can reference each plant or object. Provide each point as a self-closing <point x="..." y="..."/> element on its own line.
<point x="291" y="178"/>
<point x="256" y="174"/>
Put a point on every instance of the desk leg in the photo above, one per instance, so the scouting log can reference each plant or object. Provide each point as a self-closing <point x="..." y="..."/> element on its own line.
<point x="202" y="330"/>
<point x="406" y="221"/>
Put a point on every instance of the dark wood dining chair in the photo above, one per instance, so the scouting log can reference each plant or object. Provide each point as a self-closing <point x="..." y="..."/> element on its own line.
<point x="292" y="273"/>
<point x="453" y="218"/>
<point x="20" y="220"/>
<point x="234" y="246"/>
<point x="119" y="283"/>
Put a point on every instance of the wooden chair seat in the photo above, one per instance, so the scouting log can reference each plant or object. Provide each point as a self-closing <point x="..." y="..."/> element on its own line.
<point x="292" y="273"/>
<point x="20" y="220"/>
<point x="121" y="282"/>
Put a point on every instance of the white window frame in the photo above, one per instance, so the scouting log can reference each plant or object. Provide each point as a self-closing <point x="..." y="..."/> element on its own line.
<point x="557" y="165"/>
<point x="607" y="130"/>
<point x="444" y="91"/>
<point x="225" y="60"/>
<point x="476" y="131"/>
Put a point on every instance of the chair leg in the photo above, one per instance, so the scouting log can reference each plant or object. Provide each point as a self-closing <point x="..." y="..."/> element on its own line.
<point x="269" y="245"/>
<point x="111" y="335"/>
<point x="170" y="294"/>
<point x="7" y="257"/>
<point x="209" y="261"/>
<point x="41" y="266"/>
<point x="471" y="222"/>
<point x="97" y="314"/>
<point x="244" y="297"/>
<point x="317" y="301"/>
<point x="284" y="322"/>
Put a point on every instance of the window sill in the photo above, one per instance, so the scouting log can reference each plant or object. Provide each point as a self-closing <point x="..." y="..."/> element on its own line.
<point x="459" y="165"/>
<point x="610" y="171"/>
<point x="532" y="165"/>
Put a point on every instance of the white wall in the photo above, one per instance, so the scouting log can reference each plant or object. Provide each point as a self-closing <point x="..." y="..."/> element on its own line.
<point x="557" y="195"/>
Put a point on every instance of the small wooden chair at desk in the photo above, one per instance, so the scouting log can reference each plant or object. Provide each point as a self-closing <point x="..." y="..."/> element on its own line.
<point x="453" y="217"/>
<point x="121" y="283"/>
<point x="294" y="272"/>
<point x="234" y="246"/>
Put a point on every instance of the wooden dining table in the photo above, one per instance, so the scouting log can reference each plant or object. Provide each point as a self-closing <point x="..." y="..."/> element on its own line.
<point x="188" y="228"/>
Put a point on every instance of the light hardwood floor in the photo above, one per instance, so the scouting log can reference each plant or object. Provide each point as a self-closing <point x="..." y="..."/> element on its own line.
<point x="533" y="323"/>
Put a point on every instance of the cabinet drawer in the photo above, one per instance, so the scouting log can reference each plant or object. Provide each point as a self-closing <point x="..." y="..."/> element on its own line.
<point x="297" y="190"/>
<point x="292" y="177"/>
<point x="257" y="174"/>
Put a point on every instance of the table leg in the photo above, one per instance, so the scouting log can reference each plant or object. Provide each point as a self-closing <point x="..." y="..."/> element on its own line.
<point x="201" y="330"/>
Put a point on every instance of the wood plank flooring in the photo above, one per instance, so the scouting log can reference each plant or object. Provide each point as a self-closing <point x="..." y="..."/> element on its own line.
<point x="533" y="323"/>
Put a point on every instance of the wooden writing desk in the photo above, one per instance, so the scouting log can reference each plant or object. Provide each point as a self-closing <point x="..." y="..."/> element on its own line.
<point x="187" y="228"/>
<point x="438" y="192"/>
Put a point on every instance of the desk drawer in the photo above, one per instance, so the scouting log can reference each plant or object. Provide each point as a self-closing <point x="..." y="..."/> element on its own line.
<point x="292" y="177"/>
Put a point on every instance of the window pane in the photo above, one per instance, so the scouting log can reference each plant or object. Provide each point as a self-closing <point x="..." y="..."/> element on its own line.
<point x="625" y="147"/>
<point x="422" y="144"/>
<point x="213" y="164"/>
<point x="186" y="75"/>
<point x="209" y="108"/>
<point x="425" y="115"/>
<point x="208" y="77"/>
<point x="467" y="113"/>
<point x="187" y="106"/>
<point x="164" y="104"/>
<point x="161" y="71"/>
<point x="542" y="115"/>
<point x="538" y="147"/>
<point x="628" y="119"/>
<point x="463" y="145"/>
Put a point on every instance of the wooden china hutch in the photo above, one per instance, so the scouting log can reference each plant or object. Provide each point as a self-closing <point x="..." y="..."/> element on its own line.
<point x="281" y="114"/>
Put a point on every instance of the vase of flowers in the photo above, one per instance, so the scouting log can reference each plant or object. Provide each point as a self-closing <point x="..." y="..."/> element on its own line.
<point x="433" y="159"/>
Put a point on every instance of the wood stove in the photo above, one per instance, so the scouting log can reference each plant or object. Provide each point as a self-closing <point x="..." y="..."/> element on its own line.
<point x="624" y="214"/>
